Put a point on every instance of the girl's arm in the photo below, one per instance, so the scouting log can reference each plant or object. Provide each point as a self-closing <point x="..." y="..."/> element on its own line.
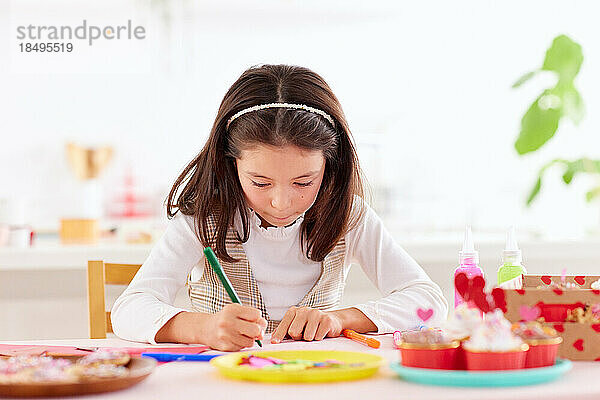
<point x="145" y="311"/>
<point x="147" y="303"/>
<point x="402" y="281"/>
<point x="231" y="329"/>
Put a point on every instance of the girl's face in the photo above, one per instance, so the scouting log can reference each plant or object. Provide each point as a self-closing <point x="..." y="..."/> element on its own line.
<point x="280" y="183"/>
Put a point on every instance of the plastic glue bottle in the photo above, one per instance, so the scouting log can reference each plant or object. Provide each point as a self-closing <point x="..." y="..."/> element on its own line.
<point x="469" y="263"/>
<point x="509" y="273"/>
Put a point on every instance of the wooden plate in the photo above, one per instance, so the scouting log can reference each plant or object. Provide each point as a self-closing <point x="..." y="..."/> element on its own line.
<point x="139" y="369"/>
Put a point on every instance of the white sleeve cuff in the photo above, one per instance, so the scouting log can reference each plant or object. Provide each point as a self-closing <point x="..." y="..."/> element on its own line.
<point x="167" y="312"/>
<point x="376" y="315"/>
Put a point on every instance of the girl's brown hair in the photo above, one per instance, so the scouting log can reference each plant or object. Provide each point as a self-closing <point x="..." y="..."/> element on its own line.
<point x="211" y="184"/>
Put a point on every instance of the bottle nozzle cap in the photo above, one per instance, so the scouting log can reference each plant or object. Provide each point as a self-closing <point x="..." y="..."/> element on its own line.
<point x="468" y="252"/>
<point x="468" y="242"/>
<point x="511" y="240"/>
<point x="511" y="252"/>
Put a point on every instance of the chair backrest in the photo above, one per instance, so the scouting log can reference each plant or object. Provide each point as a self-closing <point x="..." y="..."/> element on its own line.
<point x="101" y="273"/>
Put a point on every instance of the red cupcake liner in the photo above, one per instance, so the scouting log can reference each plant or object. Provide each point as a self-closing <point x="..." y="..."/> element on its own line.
<point x="488" y="361"/>
<point x="542" y="353"/>
<point x="434" y="356"/>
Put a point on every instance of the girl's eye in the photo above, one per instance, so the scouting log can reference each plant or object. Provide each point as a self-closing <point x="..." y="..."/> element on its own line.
<point x="259" y="184"/>
<point x="262" y="185"/>
<point x="306" y="184"/>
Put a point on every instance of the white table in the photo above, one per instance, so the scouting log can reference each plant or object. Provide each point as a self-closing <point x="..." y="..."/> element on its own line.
<point x="198" y="380"/>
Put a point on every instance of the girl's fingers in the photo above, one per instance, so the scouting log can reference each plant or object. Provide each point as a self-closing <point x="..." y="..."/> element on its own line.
<point x="263" y="323"/>
<point x="249" y="314"/>
<point x="322" y="331"/>
<point x="242" y="341"/>
<point x="313" y="322"/>
<point x="249" y="329"/>
<point x="297" y="326"/>
<point x="283" y="326"/>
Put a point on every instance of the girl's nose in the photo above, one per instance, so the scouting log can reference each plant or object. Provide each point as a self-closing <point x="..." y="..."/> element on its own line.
<point x="281" y="199"/>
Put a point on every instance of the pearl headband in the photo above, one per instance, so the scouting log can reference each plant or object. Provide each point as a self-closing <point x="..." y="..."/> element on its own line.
<point x="281" y="105"/>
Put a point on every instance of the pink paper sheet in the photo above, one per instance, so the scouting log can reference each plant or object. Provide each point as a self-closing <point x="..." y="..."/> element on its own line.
<point x="20" y="349"/>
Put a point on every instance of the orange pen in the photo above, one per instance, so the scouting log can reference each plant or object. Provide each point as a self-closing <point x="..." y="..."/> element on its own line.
<point x="357" y="337"/>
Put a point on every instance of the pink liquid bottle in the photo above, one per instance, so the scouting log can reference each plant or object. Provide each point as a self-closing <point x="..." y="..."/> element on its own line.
<point x="469" y="263"/>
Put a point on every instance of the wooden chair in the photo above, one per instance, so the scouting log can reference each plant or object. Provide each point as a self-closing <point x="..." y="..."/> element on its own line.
<point x="99" y="274"/>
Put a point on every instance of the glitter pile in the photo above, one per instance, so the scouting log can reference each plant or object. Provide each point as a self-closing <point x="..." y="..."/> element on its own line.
<point x="270" y="363"/>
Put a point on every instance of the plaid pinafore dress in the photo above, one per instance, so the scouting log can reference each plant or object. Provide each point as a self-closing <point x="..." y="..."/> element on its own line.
<point x="208" y="294"/>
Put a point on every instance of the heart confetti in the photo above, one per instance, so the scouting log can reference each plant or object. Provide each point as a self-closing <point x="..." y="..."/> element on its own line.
<point x="462" y="283"/>
<point x="546" y="279"/>
<point x="499" y="299"/>
<point x="529" y="313"/>
<point x="472" y="292"/>
<point x="424" y="314"/>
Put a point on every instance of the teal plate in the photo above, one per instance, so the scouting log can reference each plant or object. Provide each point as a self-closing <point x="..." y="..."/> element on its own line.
<point x="521" y="377"/>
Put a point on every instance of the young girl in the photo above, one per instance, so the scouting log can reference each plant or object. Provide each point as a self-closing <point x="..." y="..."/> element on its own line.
<point x="277" y="193"/>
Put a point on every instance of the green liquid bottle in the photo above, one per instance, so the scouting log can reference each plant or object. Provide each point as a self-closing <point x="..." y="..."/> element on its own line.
<point x="512" y="257"/>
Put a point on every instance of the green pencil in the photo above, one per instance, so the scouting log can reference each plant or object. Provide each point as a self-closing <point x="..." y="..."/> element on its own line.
<point x="216" y="266"/>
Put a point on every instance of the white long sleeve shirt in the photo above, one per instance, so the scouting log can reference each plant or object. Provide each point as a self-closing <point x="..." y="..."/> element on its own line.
<point x="283" y="273"/>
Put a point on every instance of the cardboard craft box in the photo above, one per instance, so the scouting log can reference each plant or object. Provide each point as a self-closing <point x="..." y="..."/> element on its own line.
<point x="581" y="341"/>
<point x="583" y="281"/>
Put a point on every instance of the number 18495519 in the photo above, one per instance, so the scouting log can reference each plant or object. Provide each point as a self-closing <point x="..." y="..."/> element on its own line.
<point x="46" y="47"/>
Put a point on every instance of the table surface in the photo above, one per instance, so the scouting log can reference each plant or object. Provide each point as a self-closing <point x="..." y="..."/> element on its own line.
<point x="179" y="379"/>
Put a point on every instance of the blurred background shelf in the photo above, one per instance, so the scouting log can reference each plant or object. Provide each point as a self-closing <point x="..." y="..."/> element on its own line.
<point x="54" y="256"/>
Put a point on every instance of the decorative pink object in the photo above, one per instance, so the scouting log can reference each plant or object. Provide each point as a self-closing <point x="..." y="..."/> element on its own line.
<point x="16" y="349"/>
<point x="424" y="314"/>
<point x="259" y="362"/>
<point x="529" y="313"/>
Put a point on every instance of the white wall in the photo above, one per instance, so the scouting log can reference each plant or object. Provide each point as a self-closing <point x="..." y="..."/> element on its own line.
<point x="425" y="86"/>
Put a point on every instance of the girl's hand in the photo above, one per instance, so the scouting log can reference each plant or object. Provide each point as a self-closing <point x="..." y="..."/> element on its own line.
<point x="234" y="327"/>
<point x="308" y="324"/>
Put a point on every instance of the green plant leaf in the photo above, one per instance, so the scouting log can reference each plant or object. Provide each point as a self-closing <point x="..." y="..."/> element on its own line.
<point x="592" y="194"/>
<point x="535" y="190"/>
<point x="563" y="57"/>
<point x="538" y="184"/>
<point x="524" y="78"/>
<point x="539" y="123"/>
<point x="572" y="168"/>
<point x="568" y="176"/>
<point x="572" y="104"/>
